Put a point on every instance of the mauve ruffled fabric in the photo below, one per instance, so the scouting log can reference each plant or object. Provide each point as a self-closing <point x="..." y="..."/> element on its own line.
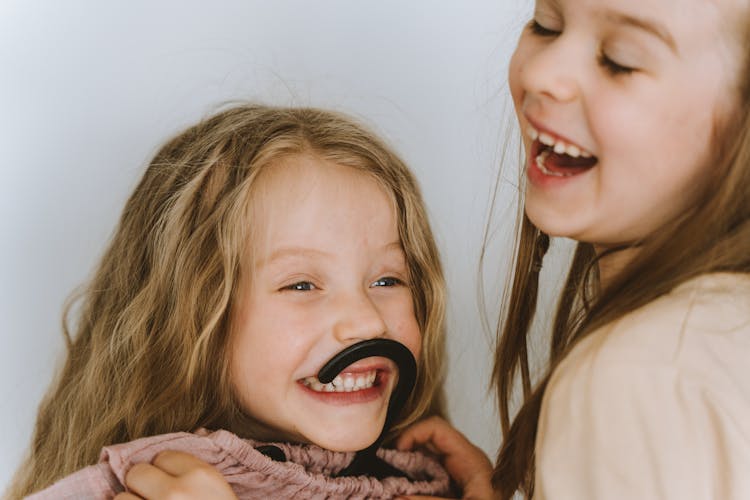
<point x="307" y="473"/>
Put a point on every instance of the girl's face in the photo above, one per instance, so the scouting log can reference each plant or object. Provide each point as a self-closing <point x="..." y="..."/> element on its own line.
<point x="326" y="270"/>
<point x="618" y="101"/>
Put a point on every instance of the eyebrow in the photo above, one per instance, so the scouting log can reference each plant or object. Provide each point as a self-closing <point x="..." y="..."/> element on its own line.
<point x="311" y="253"/>
<point x="287" y="252"/>
<point x="646" y="25"/>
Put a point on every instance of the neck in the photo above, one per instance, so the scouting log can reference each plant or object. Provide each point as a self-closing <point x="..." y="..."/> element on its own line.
<point x="610" y="266"/>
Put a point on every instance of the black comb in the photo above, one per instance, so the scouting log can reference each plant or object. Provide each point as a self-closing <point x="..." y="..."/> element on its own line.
<point x="366" y="462"/>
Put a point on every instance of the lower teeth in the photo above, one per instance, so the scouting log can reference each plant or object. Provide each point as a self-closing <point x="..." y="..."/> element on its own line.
<point x="541" y="158"/>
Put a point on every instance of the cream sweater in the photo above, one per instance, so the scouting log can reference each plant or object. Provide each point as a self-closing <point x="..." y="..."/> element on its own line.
<point x="655" y="405"/>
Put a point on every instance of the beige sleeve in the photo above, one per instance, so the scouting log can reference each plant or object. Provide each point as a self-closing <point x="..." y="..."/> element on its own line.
<point x="626" y="430"/>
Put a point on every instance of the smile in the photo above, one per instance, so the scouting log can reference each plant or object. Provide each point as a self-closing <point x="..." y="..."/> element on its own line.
<point x="344" y="382"/>
<point x="556" y="157"/>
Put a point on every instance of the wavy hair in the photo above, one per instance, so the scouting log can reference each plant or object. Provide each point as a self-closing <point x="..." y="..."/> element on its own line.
<point x="155" y="318"/>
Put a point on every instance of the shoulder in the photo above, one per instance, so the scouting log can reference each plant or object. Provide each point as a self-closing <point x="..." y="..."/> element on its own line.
<point x="699" y="329"/>
<point x="695" y="339"/>
<point x="658" y="396"/>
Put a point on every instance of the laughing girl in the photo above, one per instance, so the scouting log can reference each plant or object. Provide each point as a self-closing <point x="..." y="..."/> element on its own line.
<point x="636" y="121"/>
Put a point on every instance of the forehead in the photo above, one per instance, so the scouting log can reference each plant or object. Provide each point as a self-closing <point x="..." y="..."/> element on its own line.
<point x="692" y="29"/>
<point x="298" y="177"/>
<point x="678" y="15"/>
<point x="306" y="198"/>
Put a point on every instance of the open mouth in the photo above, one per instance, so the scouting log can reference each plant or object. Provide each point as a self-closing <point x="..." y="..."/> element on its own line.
<point x="556" y="157"/>
<point x="345" y="382"/>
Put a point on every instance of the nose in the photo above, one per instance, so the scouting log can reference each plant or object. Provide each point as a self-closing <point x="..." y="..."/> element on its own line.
<point x="551" y="71"/>
<point x="357" y="318"/>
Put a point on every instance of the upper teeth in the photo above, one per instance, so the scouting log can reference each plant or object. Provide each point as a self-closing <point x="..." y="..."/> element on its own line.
<point x="558" y="145"/>
<point x="345" y="382"/>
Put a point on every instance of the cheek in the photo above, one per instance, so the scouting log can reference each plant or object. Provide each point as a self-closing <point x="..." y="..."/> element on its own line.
<point x="414" y="340"/>
<point x="673" y="124"/>
<point x="406" y="329"/>
<point x="514" y="78"/>
<point x="673" y="150"/>
<point x="245" y="359"/>
<point x="653" y="169"/>
<point x="521" y="60"/>
<point x="261" y="333"/>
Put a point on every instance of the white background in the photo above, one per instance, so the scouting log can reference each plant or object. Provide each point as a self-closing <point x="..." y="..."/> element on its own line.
<point x="89" y="89"/>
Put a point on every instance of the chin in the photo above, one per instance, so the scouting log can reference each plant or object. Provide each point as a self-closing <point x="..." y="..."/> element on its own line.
<point x="353" y="439"/>
<point x="552" y="223"/>
<point x="550" y="227"/>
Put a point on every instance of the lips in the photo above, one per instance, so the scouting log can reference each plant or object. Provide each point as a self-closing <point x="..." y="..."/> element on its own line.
<point x="360" y="376"/>
<point x="338" y="394"/>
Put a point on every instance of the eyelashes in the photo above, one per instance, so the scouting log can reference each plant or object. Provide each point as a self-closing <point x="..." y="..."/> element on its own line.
<point x="308" y="286"/>
<point x="300" y="286"/>
<point x="610" y="66"/>
<point x="540" y="30"/>
<point x="388" y="281"/>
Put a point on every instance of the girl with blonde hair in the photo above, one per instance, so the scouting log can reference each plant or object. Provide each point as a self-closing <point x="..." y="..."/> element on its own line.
<point x="259" y="242"/>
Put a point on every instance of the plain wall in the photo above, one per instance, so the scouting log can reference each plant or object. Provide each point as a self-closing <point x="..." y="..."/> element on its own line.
<point x="88" y="90"/>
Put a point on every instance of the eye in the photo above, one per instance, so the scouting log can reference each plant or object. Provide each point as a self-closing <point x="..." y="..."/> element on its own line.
<point x="300" y="286"/>
<point x="612" y="67"/>
<point x="540" y="30"/>
<point x="387" y="281"/>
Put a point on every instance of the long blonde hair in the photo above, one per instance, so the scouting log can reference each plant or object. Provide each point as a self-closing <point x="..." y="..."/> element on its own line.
<point x="712" y="236"/>
<point x="154" y="319"/>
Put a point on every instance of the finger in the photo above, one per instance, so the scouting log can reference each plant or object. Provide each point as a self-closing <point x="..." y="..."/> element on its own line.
<point x="435" y="431"/>
<point x="148" y="481"/>
<point x="420" y="433"/>
<point x="466" y="463"/>
<point x="442" y="438"/>
<point x="415" y="433"/>
<point x="412" y="444"/>
<point x="178" y="463"/>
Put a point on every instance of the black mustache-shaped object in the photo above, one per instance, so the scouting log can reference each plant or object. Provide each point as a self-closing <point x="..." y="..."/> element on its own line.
<point x="366" y="462"/>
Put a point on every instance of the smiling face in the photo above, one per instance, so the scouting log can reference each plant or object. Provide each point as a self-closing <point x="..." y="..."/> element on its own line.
<point x="325" y="270"/>
<point x="619" y="101"/>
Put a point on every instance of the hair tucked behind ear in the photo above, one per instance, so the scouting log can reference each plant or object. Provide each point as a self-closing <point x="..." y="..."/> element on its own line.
<point x="148" y="355"/>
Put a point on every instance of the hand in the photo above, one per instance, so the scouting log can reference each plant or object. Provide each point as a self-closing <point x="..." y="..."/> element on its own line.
<point x="174" y="475"/>
<point x="467" y="464"/>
